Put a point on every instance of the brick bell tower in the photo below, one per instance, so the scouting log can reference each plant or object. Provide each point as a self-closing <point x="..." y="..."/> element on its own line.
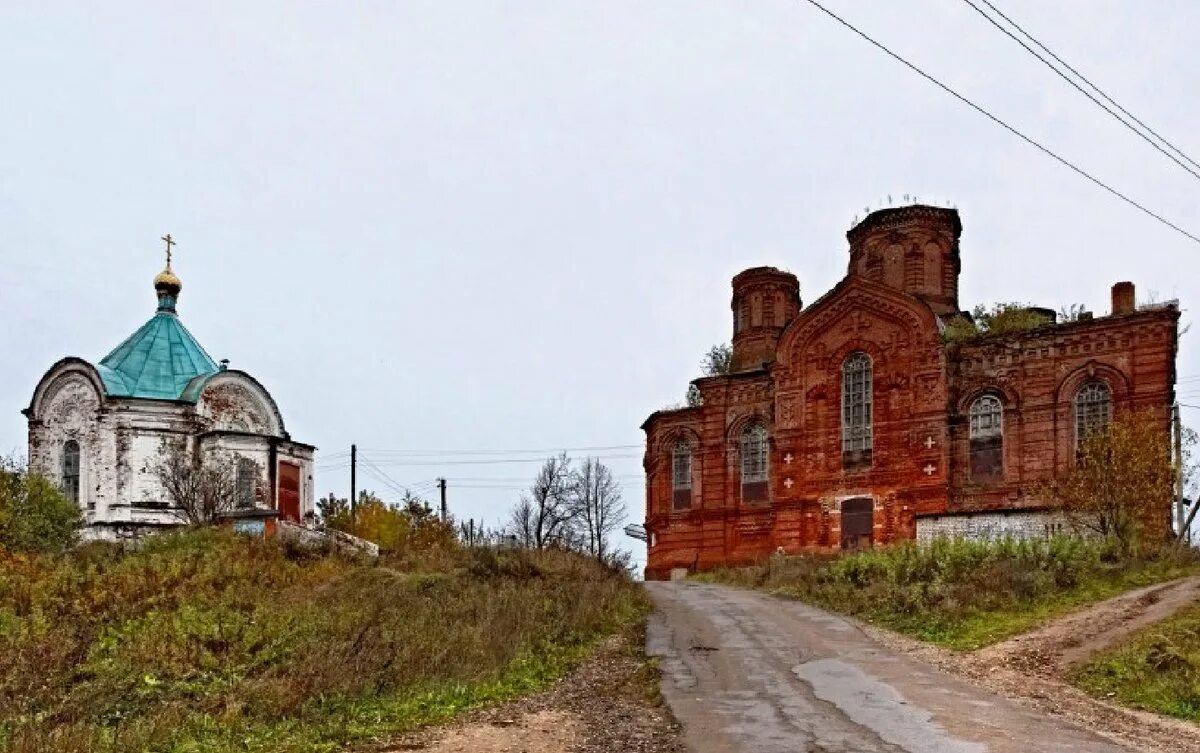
<point x="765" y="300"/>
<point x="913" y="249"/>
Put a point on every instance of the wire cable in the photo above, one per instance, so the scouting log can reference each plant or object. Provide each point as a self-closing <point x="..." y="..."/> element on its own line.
<point x="1045" y="150"/>
<point x="1081" y="90"/>
<point x="1085" y="79"/>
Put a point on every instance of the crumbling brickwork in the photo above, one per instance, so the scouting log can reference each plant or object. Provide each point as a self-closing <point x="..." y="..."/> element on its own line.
<point x="858" y="457"/>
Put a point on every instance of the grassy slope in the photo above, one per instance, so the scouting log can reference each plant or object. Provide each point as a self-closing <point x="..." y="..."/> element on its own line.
<point x="207" y="642"/>
<point x="1158" y="669"/>
<point x="962" y="595"/>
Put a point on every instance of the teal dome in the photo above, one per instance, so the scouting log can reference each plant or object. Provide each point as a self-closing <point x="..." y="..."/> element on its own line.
<point x="160" y="359"/>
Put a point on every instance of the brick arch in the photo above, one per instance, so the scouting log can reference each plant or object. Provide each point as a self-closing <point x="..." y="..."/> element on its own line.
<point x="1010" y="399"/>
<point x="669" y="438"/>
<point x="915" y="318"/>
<point x="733" y="432"/>
<point x="1118" y="383"/>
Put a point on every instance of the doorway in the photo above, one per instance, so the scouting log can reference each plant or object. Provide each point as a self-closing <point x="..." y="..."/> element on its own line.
<point x="858" y="522"/>
<point x="289" y="492"/>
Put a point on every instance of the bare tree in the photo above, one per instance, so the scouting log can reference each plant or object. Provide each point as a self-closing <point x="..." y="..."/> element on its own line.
<point x="200" y="490"/>
<point x="546" y="516"/>
<point x="597" y="506"/>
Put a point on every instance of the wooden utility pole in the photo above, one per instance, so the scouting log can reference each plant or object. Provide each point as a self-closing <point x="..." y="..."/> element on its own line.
<point x="353" y="481"/>
<point x="442" y="489"/>
<point x="1177" y="430"/>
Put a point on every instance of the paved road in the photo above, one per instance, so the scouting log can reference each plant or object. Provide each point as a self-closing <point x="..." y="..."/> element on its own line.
<point x="748" y="673"/>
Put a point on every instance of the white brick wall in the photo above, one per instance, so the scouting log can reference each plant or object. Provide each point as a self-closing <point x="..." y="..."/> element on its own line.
<point x="992" y="525"/>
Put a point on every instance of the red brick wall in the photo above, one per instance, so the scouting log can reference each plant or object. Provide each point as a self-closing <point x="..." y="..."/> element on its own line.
<point x="921" y="392"/>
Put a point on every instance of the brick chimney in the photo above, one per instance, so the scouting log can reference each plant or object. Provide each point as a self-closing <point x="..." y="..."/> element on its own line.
<point x="1124" y="300"/>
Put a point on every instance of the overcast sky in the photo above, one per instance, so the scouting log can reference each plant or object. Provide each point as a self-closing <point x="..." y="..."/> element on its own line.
<point x="511" y="225"/>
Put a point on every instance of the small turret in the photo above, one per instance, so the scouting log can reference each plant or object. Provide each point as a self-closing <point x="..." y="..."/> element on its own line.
<point x="765" y="300"/>
<point x="913" y="249"/>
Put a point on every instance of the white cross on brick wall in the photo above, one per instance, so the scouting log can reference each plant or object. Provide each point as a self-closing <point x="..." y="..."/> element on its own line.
<point x="788" y="482"/>
<point x="929" y="443"/>
<point x="929" y="469"/>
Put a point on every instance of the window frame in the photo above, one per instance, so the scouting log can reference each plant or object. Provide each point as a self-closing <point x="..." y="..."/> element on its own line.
<point x="985" y="438"/>
<point x="1091" y="413"/>
<point x="754" y="462"/>
<point x="857" y="392"/>
<point x="246" y="478"/>
<point x="681" y="474"/>
<point x="71" y="483"/>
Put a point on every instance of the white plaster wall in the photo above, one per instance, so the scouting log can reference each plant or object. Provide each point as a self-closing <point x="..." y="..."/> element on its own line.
<point x="122" y="441"/>
<point x="992" y="525"/>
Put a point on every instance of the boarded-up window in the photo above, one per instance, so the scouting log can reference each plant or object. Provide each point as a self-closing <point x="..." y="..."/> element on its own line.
<point x="858" y="522"/>
<point x="754" y="463"/>
<point x="70" y="470"/>
<point x="1093" y="410"/>
<point x="681" y="475"/>
<point x="987" y="439"/>
<point x="856" y="411"/>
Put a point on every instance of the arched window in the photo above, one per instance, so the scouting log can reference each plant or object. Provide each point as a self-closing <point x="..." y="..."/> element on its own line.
<point x="1093" y="409"/>
<point x="754" y="463"/>
<point x="856" y="410"/>
<point x="70" y="470"/>
<point x="247" y="475"/>
<point x="987" y="439"/>
<point x="681" y="475"/>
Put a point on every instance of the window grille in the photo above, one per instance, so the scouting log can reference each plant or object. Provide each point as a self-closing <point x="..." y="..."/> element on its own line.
<point x="247" y="472"/>
<point x="856" y="409"/>
<point x="1093" y="410"/>
<point x="681" y="475"/>
<point x="70" y="470"/>
<point x="754" y="453"/>
<point x="986" y="439"/>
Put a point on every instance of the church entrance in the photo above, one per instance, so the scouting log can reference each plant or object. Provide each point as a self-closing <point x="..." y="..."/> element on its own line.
<point x="289" y="492"/>
<point x="858" y="522"/>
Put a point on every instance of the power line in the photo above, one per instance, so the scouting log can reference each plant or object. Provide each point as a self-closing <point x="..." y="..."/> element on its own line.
<point x="1045" y="150"/>
<point x="1081" y="90"/>
<point x="1085" y="79"/>
<point x="490" y="461"/>
<point x="420" y="452"/>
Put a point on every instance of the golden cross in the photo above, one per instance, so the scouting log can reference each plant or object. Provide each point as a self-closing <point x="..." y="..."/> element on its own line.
<point x="170" y="242"/>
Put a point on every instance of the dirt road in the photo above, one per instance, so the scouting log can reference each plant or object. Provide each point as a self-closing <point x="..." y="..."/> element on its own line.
<point x="748" y="673"/>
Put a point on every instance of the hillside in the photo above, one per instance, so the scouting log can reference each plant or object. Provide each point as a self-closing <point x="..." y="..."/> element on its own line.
<point x="209" y="642"/>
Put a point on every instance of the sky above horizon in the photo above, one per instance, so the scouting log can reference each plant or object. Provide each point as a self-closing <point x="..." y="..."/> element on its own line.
<point x="435" y="227"/>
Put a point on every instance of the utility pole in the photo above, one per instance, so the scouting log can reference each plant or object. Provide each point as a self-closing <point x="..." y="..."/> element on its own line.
<point x="1177" y="429"/>
<point x="353" y="481"/>
<point x="442" y="489"/>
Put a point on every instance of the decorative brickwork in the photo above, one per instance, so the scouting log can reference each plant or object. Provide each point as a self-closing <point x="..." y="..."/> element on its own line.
<point x="911" y="453"/>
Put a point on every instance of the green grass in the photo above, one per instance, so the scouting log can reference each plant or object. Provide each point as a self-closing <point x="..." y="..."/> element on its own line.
<point x="1158" y="669"/>
<point x="961" y="594"/>
<point x="207" y="642"/>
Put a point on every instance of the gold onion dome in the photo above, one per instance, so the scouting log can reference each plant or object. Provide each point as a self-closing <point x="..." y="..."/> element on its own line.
<point x="167" y="279"/>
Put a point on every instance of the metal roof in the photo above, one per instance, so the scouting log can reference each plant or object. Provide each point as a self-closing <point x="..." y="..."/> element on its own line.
<point x="156" y="362"/>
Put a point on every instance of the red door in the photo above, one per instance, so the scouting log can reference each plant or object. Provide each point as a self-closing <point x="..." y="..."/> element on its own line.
<point x="289" y="492"/>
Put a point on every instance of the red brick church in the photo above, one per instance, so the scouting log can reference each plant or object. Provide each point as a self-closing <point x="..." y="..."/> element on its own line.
<point x="854" y="421"/>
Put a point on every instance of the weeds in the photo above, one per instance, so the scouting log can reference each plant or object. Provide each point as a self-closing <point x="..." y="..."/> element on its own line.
<point x="1157" y="670"/>
<point x="210" y="642"/>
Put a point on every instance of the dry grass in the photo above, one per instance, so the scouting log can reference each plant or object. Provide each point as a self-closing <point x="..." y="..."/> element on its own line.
<point x="208" y="642"/>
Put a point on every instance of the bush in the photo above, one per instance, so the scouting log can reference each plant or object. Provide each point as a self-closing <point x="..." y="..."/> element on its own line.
<point x="34" y="514"/>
